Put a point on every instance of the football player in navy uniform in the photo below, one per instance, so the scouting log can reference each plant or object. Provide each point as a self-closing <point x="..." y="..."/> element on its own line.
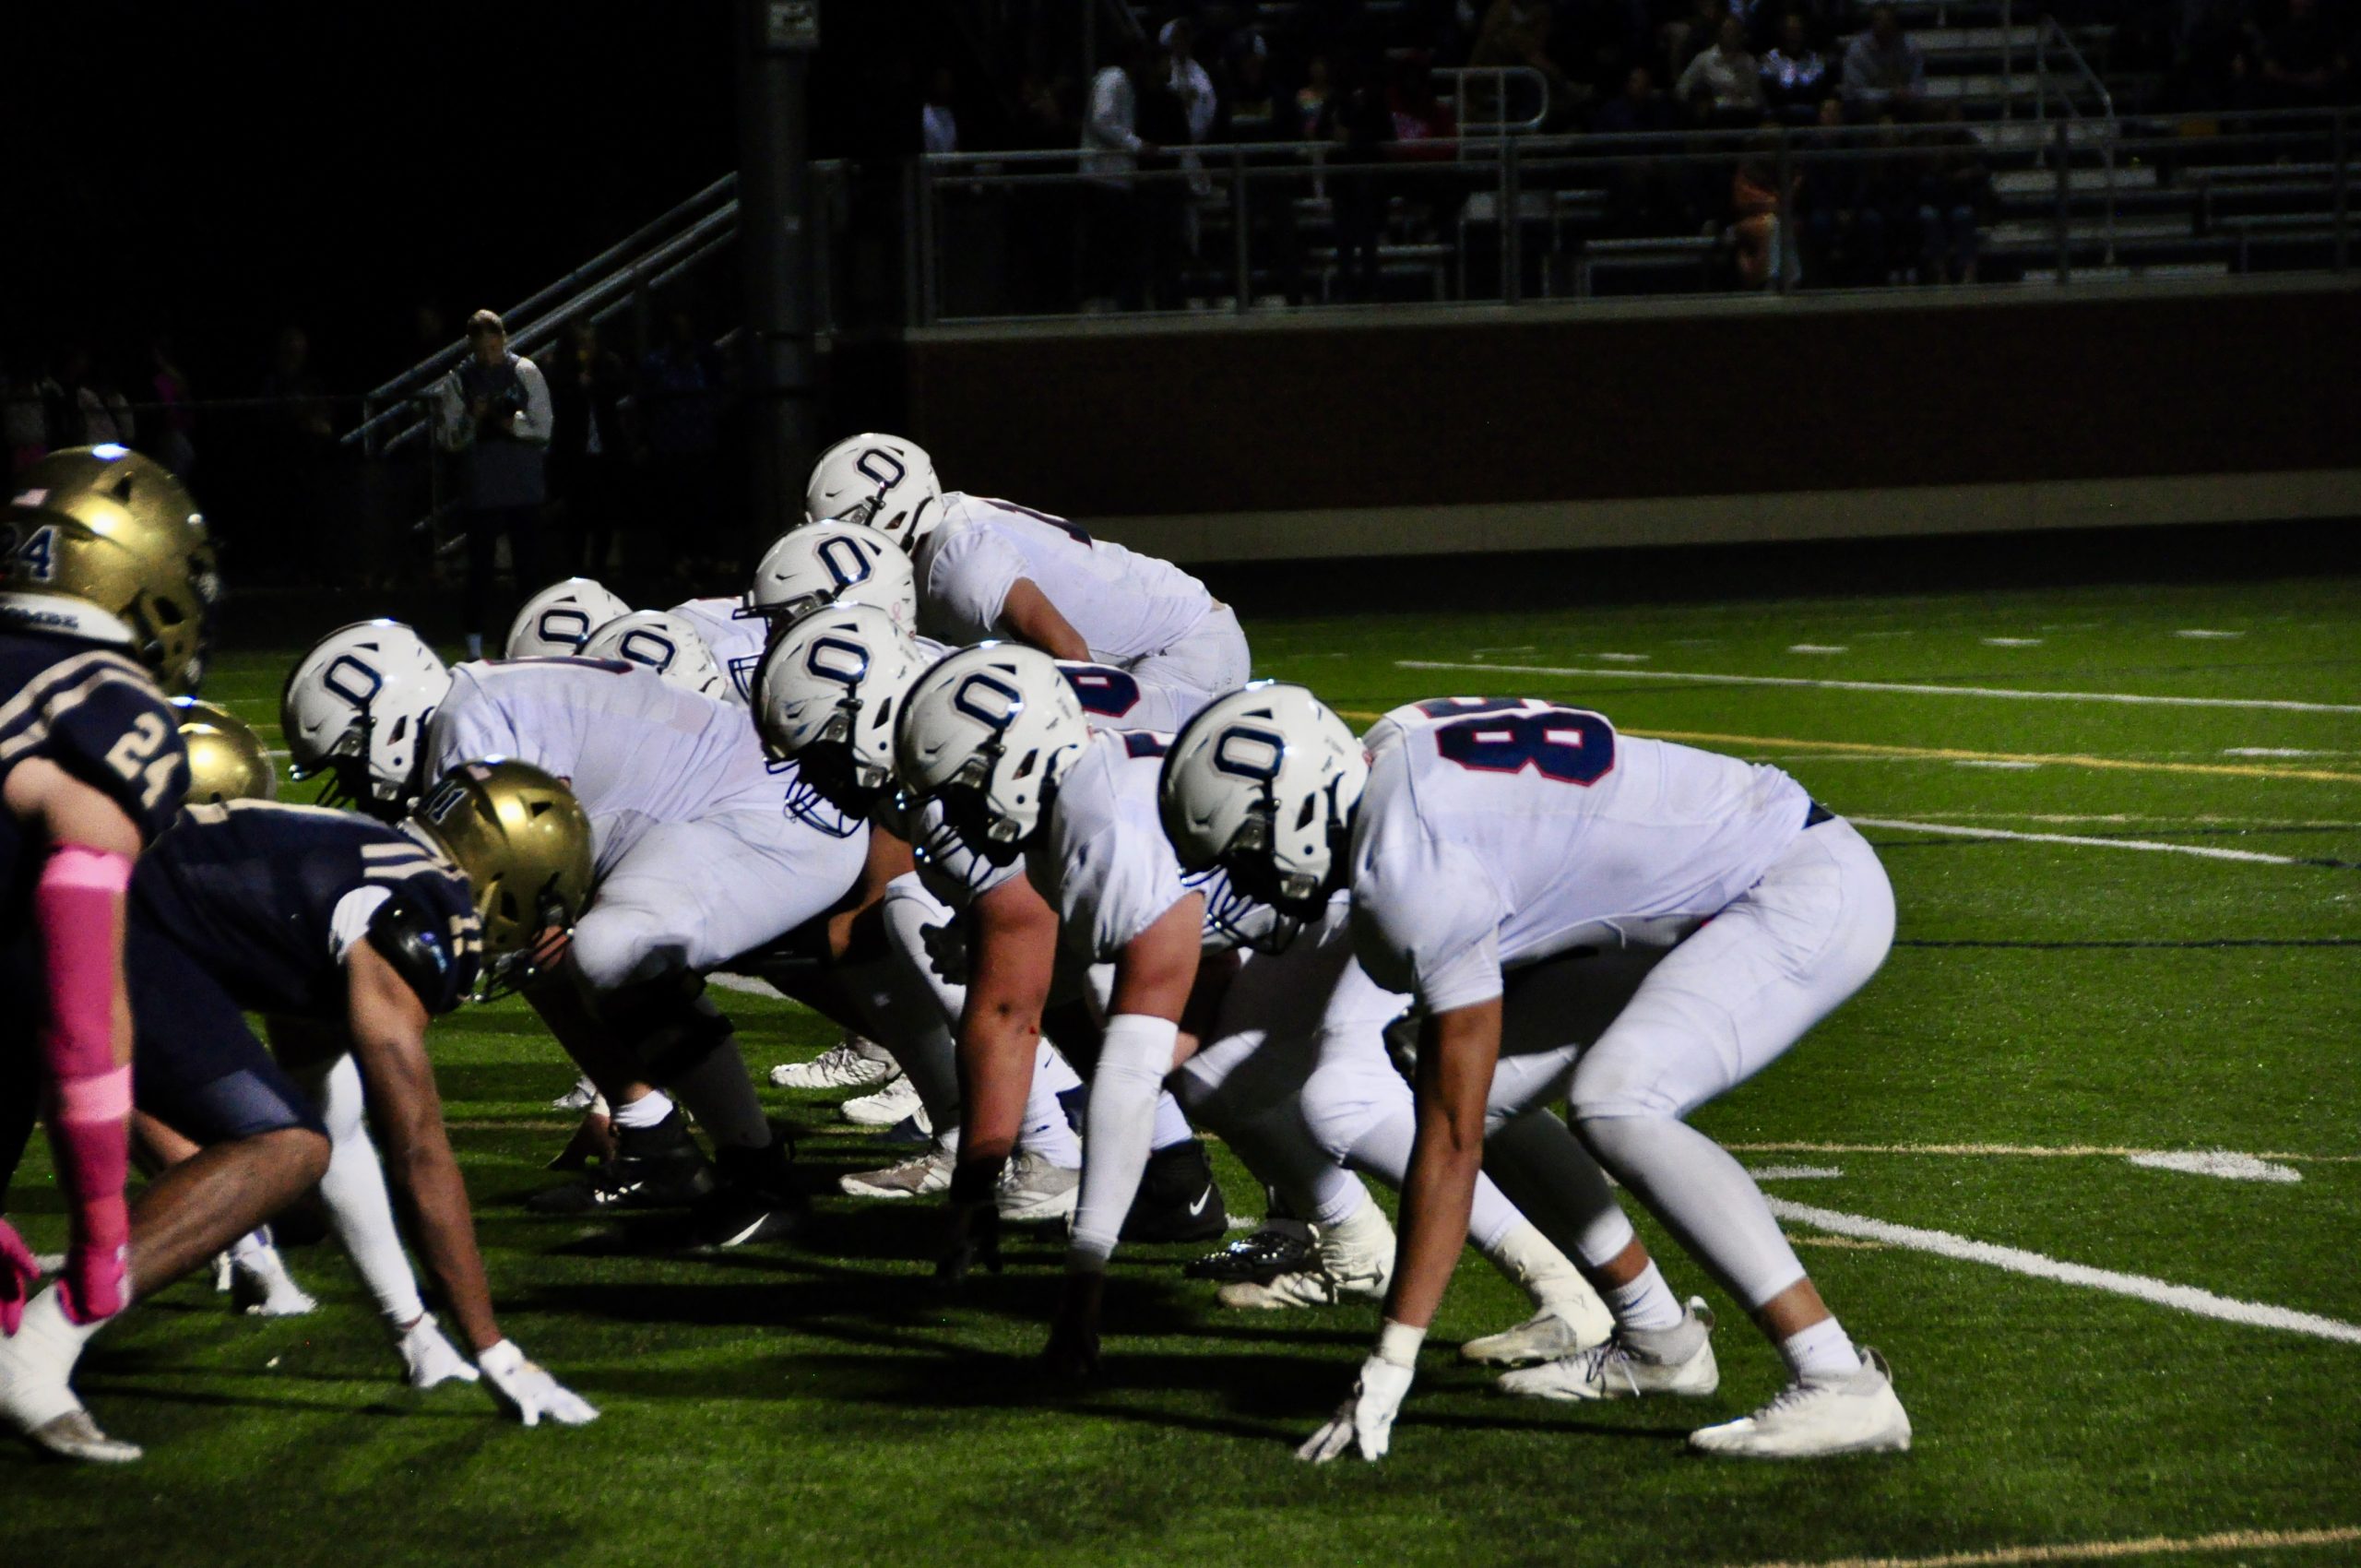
<point x="107" y="586"/>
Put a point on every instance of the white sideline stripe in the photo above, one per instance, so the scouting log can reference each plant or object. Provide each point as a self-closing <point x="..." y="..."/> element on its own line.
<point x="2097" y="1550"/>
<point x="2225" y="1163"/>
<point x="2011" y="693"/>
<point x="2032" y="1151"/>
<point x="2203" y="851"/>
<point x="2017" y="1260"/>
<point x="1794" y="1172"/>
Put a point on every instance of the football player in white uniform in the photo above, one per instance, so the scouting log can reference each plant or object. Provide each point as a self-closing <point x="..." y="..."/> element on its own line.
<point x="696" y="862"/>
<point x="991" y="568"/>
<point x="1513" y="865"/>
<point x="995" y="734"/>
<point x="555" y="622"/>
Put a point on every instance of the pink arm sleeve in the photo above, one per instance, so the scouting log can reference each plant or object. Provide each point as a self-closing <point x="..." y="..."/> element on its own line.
<point x="78" y="904"/>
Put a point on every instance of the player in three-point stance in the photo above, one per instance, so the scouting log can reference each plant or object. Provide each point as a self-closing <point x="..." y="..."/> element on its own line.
<point x="1512" y="864"/>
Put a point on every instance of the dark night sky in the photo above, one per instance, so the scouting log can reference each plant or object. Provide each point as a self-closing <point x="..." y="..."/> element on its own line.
<point x="219" y="169"/>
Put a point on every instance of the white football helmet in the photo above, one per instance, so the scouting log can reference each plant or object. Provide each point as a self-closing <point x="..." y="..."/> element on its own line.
<point x="827" y="694"/>
<point x="664" y="643"/>
<point x="833" y="563"/>
<point x="989" y="731"/>
<point x="1263" y="784"/>
<point x="880" y="482"/>
<point x="356" y="706"/>
<point x="555" y="621"/>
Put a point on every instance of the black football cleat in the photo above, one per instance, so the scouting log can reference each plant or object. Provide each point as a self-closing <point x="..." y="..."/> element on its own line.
<point x="756" y="1200"/>
<point x="1178" y="1200"/>
<point x="658" y="1167"/>
<point x="1255" y="1260"/>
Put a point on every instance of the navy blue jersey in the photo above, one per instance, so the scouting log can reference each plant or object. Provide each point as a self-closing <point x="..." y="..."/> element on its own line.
<point x="251" y="889"/>
<point x="90" y="710"/>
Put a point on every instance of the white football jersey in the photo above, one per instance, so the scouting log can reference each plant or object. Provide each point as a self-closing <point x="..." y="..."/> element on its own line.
<point x="636" y="751"/>
<point x="1124" y="605"/>
<point x="1495" y="834"/>
<point x="735" y="641"/>
<point x="1102" y="860"/>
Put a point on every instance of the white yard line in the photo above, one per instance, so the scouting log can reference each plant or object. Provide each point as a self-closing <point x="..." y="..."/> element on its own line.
<point x="2017" y="1260"/>
<point x="1906" y="687"/>
<point x="2150" y="846"/>
<point x="2021" y="1151"/>
<point x="2098" y="1551"/>
<point x="746" y="983"/>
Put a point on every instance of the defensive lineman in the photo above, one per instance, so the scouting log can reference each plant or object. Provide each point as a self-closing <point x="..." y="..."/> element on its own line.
<point x="1494" y="848"/>
<point x="989" y="569"/>
<point x="107" y="587"/>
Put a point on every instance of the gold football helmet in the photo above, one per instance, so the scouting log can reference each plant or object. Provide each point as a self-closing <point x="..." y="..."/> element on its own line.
<point x="226" y="759"/>
<point x="524" y="843"/>
<point x="105" y="525"/>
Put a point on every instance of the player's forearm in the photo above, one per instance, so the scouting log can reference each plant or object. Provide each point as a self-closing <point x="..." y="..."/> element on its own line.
<point x="996" y="1049"/>
<point x="1436" y="1198"/>
<point x="422" y="1166"/>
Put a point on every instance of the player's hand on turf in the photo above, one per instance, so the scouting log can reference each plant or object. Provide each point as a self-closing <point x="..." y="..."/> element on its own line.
<point x="973" y="1240"/>
<point x="531" y="1393"/>
<point x="1363" y="1423"/>
<point x="1072" y="1351"/>
<point x="428" y="1359"/>
<point x="18" y="1273"/>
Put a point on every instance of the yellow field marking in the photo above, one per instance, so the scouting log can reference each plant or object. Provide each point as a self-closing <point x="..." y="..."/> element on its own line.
<point x="2036" y="1151"/>
<point x="2097" y="1550"/>
<point x="1949" y="754"/>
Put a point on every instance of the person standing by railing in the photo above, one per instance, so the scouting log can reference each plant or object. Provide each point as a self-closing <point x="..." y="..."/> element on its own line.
<point x="1114" y="266"/>
<point x="494" y="413"/>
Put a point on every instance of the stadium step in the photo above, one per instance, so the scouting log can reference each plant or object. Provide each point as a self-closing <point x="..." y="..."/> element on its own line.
<point x="2161" y="270"/>
<point x="2079" y="181"/>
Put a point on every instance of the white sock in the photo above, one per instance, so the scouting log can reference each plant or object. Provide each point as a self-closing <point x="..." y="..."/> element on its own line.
<point x="360" y="1209"/>
<point x="1821" y="1353"/>
<point x="1534" y="1265"/>
<point x="39" y="1361"/>
<point x="1172" y="1124"/>
<point x="1645" y="1303"/>
<point x="1046" y="1131"/>
<point x="646" y="1111"/>
<point x="249" y="1247"/>
<point x="722" y="1096"/>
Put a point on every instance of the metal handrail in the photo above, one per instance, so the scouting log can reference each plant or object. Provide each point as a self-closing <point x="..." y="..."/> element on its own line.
<point x="439" y="363"/>
<point x="1500" y="75"/>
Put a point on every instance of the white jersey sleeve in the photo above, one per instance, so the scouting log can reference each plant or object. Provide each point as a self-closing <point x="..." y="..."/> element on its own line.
<point x="1426" y="917"/>
<point x="1103" y="861"/>
<point x="1125" y="606"/>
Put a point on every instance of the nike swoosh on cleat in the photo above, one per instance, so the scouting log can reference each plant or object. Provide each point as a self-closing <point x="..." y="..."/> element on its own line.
<point x="1203" y="1199"/>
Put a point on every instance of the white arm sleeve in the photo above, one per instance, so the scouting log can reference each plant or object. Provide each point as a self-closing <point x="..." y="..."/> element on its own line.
<point x="1134" y="1057"/>
<point x="538" y="419"/>
<point x="360" y="1209"/>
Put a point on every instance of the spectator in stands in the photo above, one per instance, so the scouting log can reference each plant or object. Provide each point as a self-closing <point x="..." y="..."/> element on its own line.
<point x="1723" y="85"/>
<point x="1885" y="71"/>
<point x="1954" y="191"/>
<point x="938" y="124"/>
<point x="1357" y="126"/>
<point x="1759" y="208"/>
<point x="1795" y="75"/>
<point x="1884" y="209"/>
<point x="1256" y="111"/>
<point x="1114" y="269"/>
<point x="1250" y="105"/>
<point x="1311" y="98"/>
<point x="1516" y="32"/>
<point x="1424" y="126"/>
<point x="1638" y="108"/>
<point x="494" y="413"/>
<point x="588" y="449"/>
<point x="1166" y="219"/>
<point x="681" y="383"/>
<point x="2303" y="62"/>
<point x="1646" y="196"/>
<point x="1187" y="80"/>
<point x="172" y="425"/>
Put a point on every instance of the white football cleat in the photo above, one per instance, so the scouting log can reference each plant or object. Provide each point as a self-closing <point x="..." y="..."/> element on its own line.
<point x="1032" y="1189"/>
<point x="578" y="1097"/>
<point x="1547" y="1336"/>
<point x="887" y="1106"/>
<point x="853" y="1062"/>
<point x="261" y="1287"/>
<point x="1355" y="1258"/>
<point x="1630" y="1366"/>
<point x="1859" y="1413"/>
<point x="36" y="1390"/>
<point x="922" y="1178"/>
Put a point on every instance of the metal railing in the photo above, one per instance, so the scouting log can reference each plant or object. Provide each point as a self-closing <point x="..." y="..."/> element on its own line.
<point x="1519" y="214"/>
<point x="2049" y="37"/>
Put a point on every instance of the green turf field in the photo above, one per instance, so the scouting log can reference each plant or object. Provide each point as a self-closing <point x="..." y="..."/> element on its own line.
<point x="2092" y="982"/>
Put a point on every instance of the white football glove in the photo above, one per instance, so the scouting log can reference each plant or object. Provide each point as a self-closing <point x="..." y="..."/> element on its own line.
<point x="946" y="950"/>
<point x="530" y="1391"/>
<point x="427" y="1357"/>
<point x="1365" y="1422"/>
